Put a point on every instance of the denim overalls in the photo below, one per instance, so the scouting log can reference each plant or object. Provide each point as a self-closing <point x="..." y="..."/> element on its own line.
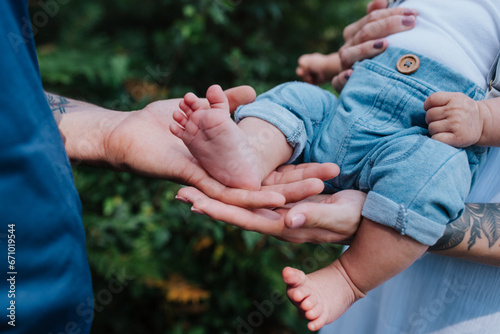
<point x="377" y="134"/>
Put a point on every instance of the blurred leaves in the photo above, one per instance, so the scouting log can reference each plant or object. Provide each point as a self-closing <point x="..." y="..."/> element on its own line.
<point x="191" y="275"/>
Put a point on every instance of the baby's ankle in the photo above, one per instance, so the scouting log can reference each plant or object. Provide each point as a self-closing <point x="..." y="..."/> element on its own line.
<point x="357" y="293"/>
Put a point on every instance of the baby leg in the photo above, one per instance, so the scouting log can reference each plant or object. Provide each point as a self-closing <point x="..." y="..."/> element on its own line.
<point x="236" y="155"/>
<point x="376" y="254"/>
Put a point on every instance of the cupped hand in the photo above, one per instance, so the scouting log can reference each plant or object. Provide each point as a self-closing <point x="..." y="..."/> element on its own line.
<point x="317" y="219"/>
<point x="142" y="143"/>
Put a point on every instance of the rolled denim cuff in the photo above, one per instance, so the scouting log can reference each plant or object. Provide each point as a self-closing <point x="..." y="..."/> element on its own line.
<point x="291" y="126"/>
<point x="407" y="222"/>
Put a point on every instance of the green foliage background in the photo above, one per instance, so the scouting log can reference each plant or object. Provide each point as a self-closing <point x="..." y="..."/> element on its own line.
<point x="158" y="268"/>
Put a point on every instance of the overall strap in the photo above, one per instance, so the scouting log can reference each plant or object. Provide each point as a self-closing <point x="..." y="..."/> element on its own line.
<point x="394" y="3"/>
<point x="493" y="79"/>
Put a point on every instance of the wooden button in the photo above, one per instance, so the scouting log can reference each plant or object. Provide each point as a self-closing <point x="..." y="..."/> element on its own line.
<point x="408" y="64"/>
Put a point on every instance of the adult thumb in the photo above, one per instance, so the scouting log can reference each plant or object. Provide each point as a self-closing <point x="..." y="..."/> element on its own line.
<point x="308" y="214"/>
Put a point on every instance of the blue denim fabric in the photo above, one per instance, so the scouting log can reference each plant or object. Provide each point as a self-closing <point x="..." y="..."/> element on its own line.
<point x="376" y="133"/>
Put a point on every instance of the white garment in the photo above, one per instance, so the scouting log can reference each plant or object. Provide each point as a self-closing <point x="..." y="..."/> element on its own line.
<point x="462" y="34"/>
<point x="437" y="294"/>
<point x="486" y="189"/>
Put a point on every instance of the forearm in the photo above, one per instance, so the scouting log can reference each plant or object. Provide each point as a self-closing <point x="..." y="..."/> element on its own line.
<point x="377" y="254"/>
<point x="490" y="115"/>
<point x="84" y="128"/>
<point x="474" y="236"/>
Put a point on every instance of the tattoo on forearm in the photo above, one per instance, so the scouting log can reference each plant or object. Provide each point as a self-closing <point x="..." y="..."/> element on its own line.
<point x="482" y="220"/>
<point x="57" y="103"/>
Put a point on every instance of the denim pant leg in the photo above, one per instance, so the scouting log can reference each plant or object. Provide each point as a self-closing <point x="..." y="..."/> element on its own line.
<point x="417" y="185"/>
<point x="297" y="109"/>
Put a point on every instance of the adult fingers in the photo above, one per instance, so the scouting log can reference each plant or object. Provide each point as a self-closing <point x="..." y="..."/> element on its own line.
<point x="292" y="173"/>
<point x="376" y="4"/>
<point x="351" y="54"/>
<point x="319" y="216"/>
<point x="289" y="184"/>
<point x="323" y="215"/>
<point x="339" y="213"/>
<point x="240" y="95"/>
<point x="388" y="20"/>
<point x="236" y="97"/>
<point x="239" y="197"/>
<point x="382" y="28"/>
<point x="297" y="191"/>
<point x="339" y="81"/>
<point x="262" y="220"/>
<point x="296" y="182"/>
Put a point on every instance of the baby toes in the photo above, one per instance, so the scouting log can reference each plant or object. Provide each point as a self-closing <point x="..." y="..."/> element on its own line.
<point x="314" y="312"/>
<point x="293" y="277"/>
<point x="317" y="323"/>
<point x="310" y="303"/>
<point x="180" y="118"/>
<point x="297" y="295"/>
<point x="193" y="104"/>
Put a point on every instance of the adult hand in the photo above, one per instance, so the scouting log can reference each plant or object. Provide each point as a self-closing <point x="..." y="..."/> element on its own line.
<point x="321" y="218"/>
<point x="365" y="38"/>
<point x="142" y="143"/>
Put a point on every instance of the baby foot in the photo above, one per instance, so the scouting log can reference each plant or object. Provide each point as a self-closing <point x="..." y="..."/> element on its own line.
<point x="215" y="140"/>
<point x="323" y="296"/>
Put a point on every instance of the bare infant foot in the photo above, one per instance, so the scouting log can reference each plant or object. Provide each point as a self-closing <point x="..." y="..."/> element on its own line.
<point x="323" y="296"/>
<point x="215" y="140"/>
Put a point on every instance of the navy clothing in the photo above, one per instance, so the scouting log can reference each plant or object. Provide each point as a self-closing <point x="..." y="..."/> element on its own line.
<point x="46" y="286"/>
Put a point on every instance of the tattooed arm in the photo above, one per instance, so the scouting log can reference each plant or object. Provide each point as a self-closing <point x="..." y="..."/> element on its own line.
<point x="475" y="236"/>
<point x="140" y="141"/>
<point x="84" y="128"/>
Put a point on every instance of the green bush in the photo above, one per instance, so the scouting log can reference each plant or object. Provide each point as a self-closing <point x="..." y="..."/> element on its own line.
<point x="158" y="268"/>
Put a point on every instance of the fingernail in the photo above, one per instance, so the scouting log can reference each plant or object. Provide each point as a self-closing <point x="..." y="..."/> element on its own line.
<point x="409" y="12"/>
<point x="198" y="211"/>
<point x="378" y="44"/>
<point x="347" y="76"/>
<point x="298" y="220"/>
<point x="408" y="21"/>
<point x="267" y="213"/>
<point x="182" y="199"/>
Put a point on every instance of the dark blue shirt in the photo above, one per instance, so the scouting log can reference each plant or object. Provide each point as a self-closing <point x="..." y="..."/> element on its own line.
<point x="45" y="284"/>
